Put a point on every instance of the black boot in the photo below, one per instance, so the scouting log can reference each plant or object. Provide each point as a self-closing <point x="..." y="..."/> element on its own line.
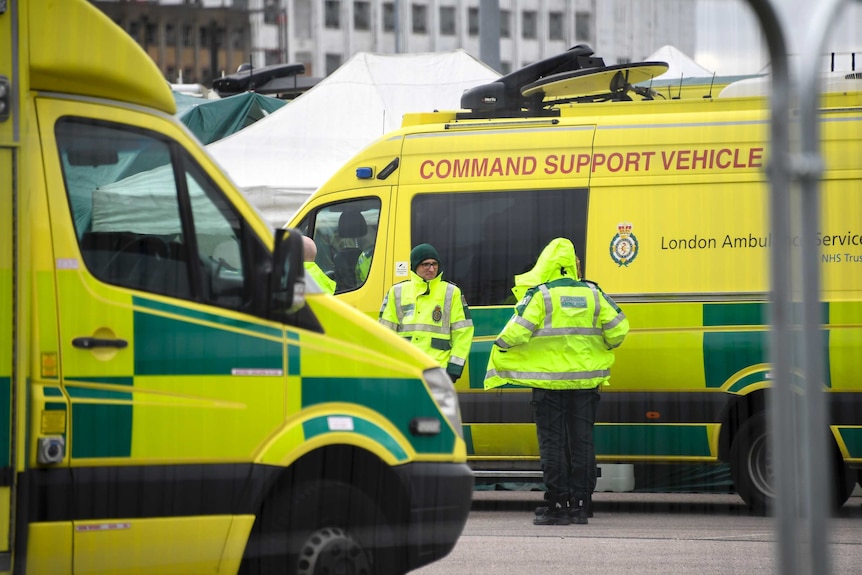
<point x="555" y="514"/>
<point x="579" y="511"/>
<point x="542" y="509"/>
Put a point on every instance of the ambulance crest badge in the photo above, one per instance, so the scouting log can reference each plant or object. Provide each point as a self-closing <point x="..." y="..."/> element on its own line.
<point x="624" y="245"/>
<point x="437" y="314"/>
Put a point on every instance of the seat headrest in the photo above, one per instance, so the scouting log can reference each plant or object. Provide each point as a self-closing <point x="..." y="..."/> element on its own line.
<point x="352" y="225"/>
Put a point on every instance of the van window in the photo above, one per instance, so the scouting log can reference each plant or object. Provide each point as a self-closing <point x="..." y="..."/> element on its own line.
<point x="126" y="200"/>
<point x="345" y="234"/>
<point x="486" y="238"/>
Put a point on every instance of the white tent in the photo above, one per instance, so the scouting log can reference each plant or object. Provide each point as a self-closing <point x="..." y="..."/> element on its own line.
<point x="679" y="64"/>
<point x="279" y="160"/>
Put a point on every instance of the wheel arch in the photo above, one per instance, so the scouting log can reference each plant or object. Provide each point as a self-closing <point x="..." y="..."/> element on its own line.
<point x="347" y="464"/>
<point x="738" y="410"/>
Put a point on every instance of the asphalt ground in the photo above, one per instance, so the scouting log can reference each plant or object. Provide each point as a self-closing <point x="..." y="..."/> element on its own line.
<point x="635" y="533"/>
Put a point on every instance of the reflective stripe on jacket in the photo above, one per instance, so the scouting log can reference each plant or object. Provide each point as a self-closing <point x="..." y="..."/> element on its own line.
<point x="433" y="316"/>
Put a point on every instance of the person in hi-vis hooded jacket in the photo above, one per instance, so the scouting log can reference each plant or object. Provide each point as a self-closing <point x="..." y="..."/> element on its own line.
<point x="430" y="313"/>
<point x="560" y="342"/>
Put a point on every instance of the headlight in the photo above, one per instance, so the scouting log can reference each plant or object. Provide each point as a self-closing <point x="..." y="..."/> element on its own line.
<point x="446" y="397"/>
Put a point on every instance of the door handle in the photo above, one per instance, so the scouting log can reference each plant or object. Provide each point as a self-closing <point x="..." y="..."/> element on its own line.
<point x="94" y="342"/>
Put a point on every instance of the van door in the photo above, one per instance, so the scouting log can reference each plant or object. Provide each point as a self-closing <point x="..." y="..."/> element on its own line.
<point x="489" y="201"/>
<point x="174" y="379"/>
<point x="7" y="317"/>
<point x="8" y="143"/>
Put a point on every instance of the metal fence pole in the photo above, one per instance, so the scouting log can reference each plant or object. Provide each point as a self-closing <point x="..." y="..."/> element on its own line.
<point x="781" y="409"/>
<point x="801" y="461"/>
<point x="808" y="168"/>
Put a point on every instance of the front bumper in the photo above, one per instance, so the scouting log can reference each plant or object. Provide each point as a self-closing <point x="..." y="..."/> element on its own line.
<point x="440" y="497"/>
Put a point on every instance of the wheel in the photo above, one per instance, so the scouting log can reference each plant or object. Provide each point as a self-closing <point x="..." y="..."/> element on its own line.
<point x="752" y="473"/>
<point x="845" y="481"/>
<point x="325" y="527"/>
<point x="751" y="464"/>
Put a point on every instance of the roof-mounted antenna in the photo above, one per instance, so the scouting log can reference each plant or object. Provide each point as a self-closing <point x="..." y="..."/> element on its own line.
<point x="679" y="94"/>
<point x="503" y="98"/>
<point x="711" y="82"/>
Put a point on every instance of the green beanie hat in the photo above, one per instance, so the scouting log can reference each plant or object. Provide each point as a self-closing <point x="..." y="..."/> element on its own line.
<point x="421" y="253"/>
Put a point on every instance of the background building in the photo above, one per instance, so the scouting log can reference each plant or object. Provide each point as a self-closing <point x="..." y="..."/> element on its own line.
<point x="204" y="39"/>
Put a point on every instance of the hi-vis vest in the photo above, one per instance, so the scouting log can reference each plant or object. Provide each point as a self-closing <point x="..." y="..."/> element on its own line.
<point x="325" y="283"/>
<point x="433" y="316"/>
<point x="562" y="333"/>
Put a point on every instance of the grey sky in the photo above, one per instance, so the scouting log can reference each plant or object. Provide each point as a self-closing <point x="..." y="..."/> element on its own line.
<point x="730" y="41"/>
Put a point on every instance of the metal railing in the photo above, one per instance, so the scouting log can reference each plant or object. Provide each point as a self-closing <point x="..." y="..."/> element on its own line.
<point x="798" y="413"/>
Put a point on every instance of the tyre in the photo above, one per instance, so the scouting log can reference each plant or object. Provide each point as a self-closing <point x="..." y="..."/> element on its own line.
<point x="325" y="527"/>
<point x="751" y="464"/>
<point x="845" y="481"/>
<point x="752" y="472"/>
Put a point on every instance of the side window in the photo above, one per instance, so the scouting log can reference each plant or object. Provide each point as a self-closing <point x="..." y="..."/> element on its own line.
<point x="345" y="234"/>
<point x="485" y="239"/>
<point x="127" y="203"/>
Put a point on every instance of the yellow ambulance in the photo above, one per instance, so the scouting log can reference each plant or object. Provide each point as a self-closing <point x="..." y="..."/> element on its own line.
<point x="666" y="203"/>
<point x="174" y="396"/>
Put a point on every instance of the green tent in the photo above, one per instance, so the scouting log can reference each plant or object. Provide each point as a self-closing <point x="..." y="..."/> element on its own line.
<point x="185" y="102"/>
<point x="212" y="120"/>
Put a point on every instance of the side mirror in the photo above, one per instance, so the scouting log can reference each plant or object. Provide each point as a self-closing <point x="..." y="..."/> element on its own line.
<point x="287" y="281"/>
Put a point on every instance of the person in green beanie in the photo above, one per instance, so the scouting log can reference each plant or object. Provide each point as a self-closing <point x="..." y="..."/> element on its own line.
<point x="430" y="313"/>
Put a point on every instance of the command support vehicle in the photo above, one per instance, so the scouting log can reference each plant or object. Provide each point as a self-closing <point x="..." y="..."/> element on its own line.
<point x="172" y="398"/>
<point x="666" y="203"/>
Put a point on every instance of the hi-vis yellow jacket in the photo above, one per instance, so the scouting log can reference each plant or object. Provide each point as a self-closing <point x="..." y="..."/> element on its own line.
<point x="563" y="332"/>
<point x="325" y="282"/>
<point x="434" y="316"/>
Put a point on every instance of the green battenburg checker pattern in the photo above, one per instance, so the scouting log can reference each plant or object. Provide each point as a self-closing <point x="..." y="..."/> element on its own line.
<point x="320" y="426"/>
<point x="387" y="397"/>
<point x="168" y="346"/>
<point x="101" y="430"/>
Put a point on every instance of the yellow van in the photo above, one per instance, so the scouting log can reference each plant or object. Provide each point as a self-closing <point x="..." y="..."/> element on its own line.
<point x="174" y="396"/>
<point x="666" y="203"/>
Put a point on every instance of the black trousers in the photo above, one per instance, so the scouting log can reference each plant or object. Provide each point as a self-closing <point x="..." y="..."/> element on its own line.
<point x="564" y="424"/>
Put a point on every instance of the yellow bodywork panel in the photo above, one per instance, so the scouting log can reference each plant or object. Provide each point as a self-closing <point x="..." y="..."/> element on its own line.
<point x="191" y="545"/>
<point x="80" y="67"/>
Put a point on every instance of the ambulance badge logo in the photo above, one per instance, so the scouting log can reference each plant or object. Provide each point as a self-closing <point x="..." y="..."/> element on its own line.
<point x="437" y="314"/>
<point x="624" y="245"/>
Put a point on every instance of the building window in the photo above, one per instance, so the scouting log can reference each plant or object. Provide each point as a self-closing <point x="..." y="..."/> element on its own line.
<point x="555" y="26"/>
<point x="505" y="24"/>
<point x="583" y="26"/>
<point x="505" y="67"/>
<point x="388" y="16"/>
<point x="528" y="18"/>
<point x="333" y="61"/>
<point x="188" y="36"/>
<point x="447" y="20"/>
<point x="362" y="15"/>
<point x="332" y="14"/>
<point x="473" y="21"/>
<point x="170" y="34"/>
<point x="304" y="58"/>
<point x="270" y="12"/>
<point x="238" y="39"/>
<point x="419" y="13"/>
